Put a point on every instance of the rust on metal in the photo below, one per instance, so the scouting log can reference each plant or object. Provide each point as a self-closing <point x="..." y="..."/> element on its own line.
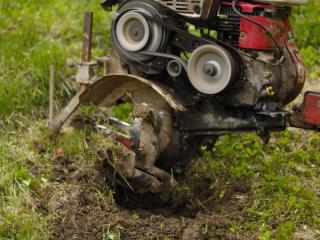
<point x="185" y="89"/>
<point x="110" y="88"/>
<point x="87" y="37"/>
<point x="86" y="45"/>
<point x="66" y="112"/>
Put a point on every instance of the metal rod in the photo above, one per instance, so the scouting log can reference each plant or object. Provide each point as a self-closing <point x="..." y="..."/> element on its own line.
<point x="66" y="112"/>
<point x="51" y="95"/>
<point x="87" y="37"/>
<point x="87" y="41"/>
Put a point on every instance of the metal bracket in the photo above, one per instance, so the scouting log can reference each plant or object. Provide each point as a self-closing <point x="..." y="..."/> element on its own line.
<point x="86" y="72"/>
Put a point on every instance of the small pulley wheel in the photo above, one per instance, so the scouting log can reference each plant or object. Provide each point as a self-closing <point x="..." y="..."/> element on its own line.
<point x="174" y="68"/>
<point x="211" y="69"/>
<point x="132" y="31"/>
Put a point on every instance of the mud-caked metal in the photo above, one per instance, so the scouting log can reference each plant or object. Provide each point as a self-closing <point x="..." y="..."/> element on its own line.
<point x="194" y="70"/>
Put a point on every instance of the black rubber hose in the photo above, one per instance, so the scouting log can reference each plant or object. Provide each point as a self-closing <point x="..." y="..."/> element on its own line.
<point x="280" y="52"/>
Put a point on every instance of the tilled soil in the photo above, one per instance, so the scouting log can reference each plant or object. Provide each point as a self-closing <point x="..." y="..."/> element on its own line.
<point x="85" y="209"/>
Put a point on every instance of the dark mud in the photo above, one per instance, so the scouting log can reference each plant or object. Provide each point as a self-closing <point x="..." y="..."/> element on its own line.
<point x="85" y="209"/>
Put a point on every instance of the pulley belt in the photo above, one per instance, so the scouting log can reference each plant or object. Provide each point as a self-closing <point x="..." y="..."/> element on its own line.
<point x="187" y="34"/>
<point x="172" y="28"/>
<point x="167" y="55"/>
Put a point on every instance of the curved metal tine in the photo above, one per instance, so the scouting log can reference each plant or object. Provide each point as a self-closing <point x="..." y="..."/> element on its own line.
<point x="120" y="124"/>
<point x="121" y="138"/>
<point x="135" y="133"/>
<point x="104" y="129"/>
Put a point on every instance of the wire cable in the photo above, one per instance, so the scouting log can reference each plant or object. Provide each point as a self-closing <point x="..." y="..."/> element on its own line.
<point x="267" y="31"/>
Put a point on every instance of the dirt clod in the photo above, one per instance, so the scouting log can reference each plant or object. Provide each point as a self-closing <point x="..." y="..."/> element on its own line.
<point x="193" y="231"/>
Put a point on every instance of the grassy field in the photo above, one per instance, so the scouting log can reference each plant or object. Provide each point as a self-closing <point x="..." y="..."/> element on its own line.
<point x="282" y="199"/>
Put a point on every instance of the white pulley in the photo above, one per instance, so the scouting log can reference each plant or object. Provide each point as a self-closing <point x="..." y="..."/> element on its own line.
<point x="211" y="69"/>
<point x="132" y="31"/>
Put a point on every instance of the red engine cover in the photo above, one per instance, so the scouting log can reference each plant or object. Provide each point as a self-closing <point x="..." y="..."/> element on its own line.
<point x="252" y="36"/>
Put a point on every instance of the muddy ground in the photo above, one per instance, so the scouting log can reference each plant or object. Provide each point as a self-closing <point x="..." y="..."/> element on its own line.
<point x="204" y="205"/>
<point x="85" y="209"/>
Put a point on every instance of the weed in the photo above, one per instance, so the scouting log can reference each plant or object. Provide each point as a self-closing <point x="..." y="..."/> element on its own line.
<point x="111" y="232"/>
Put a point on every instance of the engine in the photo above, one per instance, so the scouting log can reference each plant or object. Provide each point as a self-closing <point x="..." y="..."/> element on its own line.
<point x="233" y="53"/>
<point x="192" y="70"/>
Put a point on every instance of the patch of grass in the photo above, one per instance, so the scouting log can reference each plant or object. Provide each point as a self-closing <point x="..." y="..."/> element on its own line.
<point x="284" y="177"/>
<point x="306" y="27"/>
<point x="36" y="34"/>
<point x="20" y="217"/>
<point x="123" y="111"/>
<point x="111" y="232"/>
<point x="26" y="163"/>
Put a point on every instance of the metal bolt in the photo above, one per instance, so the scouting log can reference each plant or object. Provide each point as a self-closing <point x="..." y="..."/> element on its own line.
<point x="209" y="69"/>
<point x="270" y="91"/>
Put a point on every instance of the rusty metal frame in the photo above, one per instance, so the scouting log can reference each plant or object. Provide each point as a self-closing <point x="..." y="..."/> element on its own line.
<point x="108" y="89"/>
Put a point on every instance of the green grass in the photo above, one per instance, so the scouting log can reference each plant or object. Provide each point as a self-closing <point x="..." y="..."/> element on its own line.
<point x="19" y="215"/>
<point x="37" y="33"/>
<point x="307" y="31"/>
<point x="285" y="180"/>
<point x="34" y="35"/>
